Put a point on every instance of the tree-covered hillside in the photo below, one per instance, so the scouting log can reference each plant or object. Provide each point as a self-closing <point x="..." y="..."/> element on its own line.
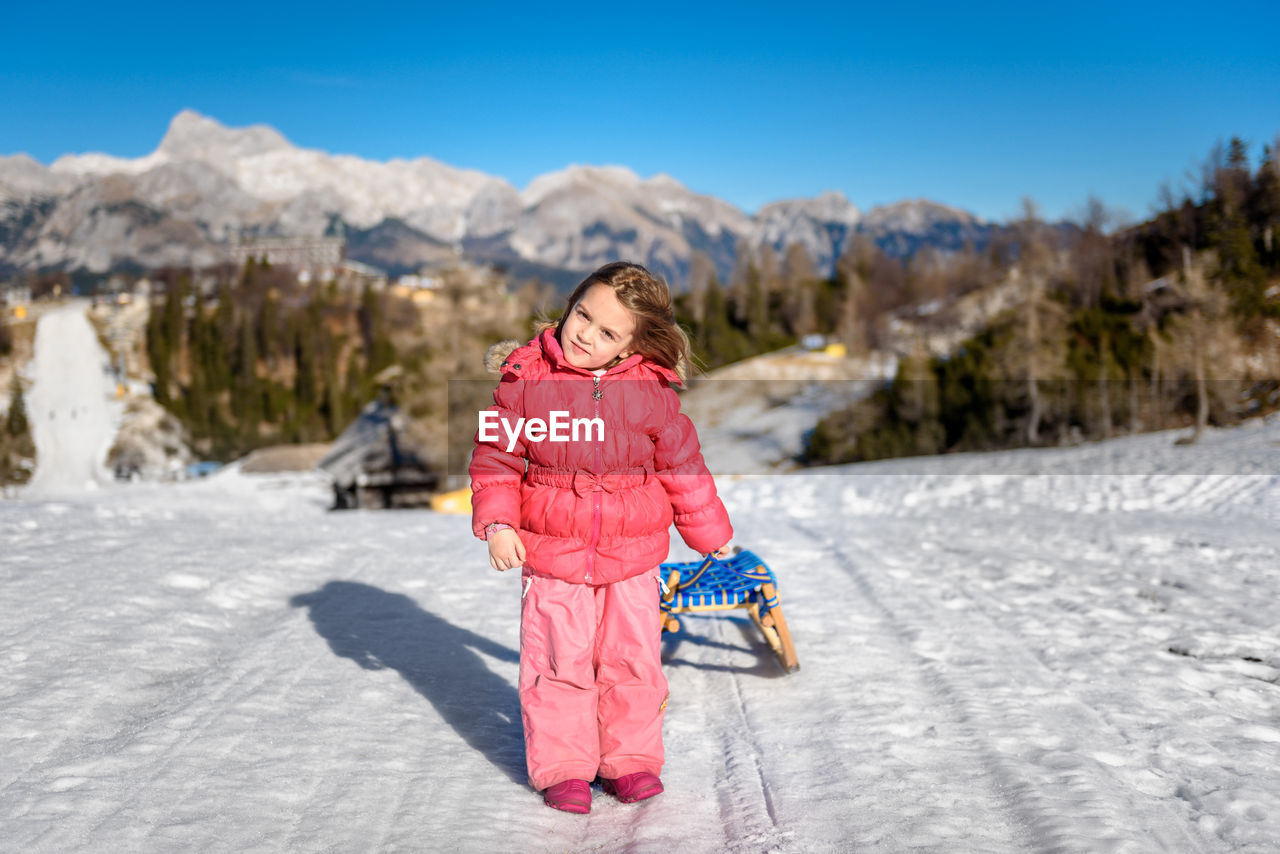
<point x="1172" y="322"/>
<point x="263" y="359"/>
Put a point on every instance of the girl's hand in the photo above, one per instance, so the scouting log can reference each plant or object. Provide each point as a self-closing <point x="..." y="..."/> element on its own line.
<point x="722" y="552"/>
<point x="506" y="551"/>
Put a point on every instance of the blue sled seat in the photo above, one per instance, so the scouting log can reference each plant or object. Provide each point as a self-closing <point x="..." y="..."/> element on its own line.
<point x="742" y="581"/>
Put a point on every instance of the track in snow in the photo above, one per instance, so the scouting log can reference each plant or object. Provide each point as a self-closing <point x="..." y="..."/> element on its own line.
<point x="1046" y="757"/>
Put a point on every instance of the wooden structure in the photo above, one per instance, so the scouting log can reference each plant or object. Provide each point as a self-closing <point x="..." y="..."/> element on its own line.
<point x="743" y="581"/>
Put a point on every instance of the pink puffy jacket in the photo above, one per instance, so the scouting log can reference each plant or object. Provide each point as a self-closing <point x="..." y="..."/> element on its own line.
<point x="594" y="512"/>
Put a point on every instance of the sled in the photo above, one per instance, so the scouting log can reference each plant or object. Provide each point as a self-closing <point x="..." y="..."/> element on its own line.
<point x="743" y="581"/>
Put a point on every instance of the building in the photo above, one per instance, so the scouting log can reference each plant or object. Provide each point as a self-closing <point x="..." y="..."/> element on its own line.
<point x="353" y="275"/>
<point x="420" y="288"/>
<point x="15" y="293"/>
<point x="314" y="258"/>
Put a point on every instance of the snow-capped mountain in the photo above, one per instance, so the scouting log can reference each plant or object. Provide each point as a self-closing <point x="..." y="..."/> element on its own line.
<point x="206" y="183"/>
<point x="903" y="227"/>
<point x="583" y="216"/>
<point x="266" y="168"/>
<point x="23" y="179"/>
<point x="822" y="225"/>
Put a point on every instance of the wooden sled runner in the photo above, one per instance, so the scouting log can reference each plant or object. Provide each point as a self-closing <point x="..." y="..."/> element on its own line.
<point x="742" y="581"/>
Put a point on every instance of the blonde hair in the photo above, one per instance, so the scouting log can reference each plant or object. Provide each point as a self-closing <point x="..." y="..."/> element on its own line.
<point x="657" y="335"/>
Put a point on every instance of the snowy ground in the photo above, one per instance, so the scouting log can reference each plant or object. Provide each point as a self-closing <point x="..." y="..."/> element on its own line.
<point x="72" y="408"/>
<point x="753" y="415"/>
<point x="994" y="661"/>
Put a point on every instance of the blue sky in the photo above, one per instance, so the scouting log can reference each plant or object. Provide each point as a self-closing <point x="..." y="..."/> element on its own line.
<point x="973" y="105"/>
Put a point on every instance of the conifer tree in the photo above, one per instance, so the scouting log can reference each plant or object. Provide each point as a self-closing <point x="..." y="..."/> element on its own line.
<point x="16" y="424"/>
<point x="246" y="393"/>
<point x="1238" y="272"/>
<point x="915" y="401"/>
<point x="355" y="384"/>
<point x="378" y="349"/>
<point x="716" y="332"/>
<point x="17" y="446"/>
<point x="1266" y="207"/>
<point x="225" y="332"/>
<point x="305" y="392"/>
<point x="159" y="349"/>
<point x="203" y="368"/>
<point x="268" y="330"/>
<point x="757" y="307"/>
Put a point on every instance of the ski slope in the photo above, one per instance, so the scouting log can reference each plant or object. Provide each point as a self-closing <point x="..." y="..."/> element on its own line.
<point x="72" y="410"/>
<point x="1086" y="658"/>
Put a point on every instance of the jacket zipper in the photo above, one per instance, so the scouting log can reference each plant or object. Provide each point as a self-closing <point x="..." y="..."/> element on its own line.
<point x="596" y="395"/>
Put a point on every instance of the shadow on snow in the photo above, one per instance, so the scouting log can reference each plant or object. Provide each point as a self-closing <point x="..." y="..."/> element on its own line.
<point x="380" y="630"/>
<point x="766" y="665"/>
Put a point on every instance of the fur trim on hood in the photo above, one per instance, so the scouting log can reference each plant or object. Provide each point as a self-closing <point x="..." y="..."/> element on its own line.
<point x="498" y="353"/>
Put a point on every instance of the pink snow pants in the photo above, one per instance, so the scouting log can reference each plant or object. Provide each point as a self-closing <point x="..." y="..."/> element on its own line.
<point x="592" y="691"/>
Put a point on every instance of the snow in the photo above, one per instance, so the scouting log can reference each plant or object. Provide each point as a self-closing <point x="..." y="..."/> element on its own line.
<point x="1081" y="659"/>
<point x="73" y="416"/>
<point x="753" y="416"/>
<point x="97" y="163"/>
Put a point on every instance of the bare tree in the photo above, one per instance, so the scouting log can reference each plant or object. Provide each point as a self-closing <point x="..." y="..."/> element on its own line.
<point x="702" y="272"/>
<point x="1093" y="259"/>
<point x="797" y="266"/>
<point x="1031" y="273"/>
<point x="1208" y="173"/>
<point x="851" y="323"/>
<point x="798" y="275"/>
<point x="1206" y="329"/>
<point x="743" y="277"/>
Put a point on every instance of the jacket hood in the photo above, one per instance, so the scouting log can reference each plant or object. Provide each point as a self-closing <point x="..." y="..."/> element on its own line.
<point x="496" y="356"/>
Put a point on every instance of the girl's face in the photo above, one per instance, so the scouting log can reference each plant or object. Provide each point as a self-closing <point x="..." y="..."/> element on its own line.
<point x="597" y="330"/>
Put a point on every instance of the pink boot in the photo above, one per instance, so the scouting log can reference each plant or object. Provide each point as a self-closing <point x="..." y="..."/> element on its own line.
<point x="630" y="788"/>
<point x="570" y="796"/>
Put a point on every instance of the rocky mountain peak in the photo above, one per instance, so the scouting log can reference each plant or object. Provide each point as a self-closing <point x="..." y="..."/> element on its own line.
<point x="192" y="136"/>
<point x="663" y="181"/>
<point x="830" y="206"/>
<point x="206" y="181"/>
<point x="836" y="205"/>
<point x="917" y="215"/>
<point x="23" y="178"/>
<point x="591" y="178"/>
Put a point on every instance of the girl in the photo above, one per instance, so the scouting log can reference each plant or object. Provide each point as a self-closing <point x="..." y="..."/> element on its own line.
<point x="587" y="517"/>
